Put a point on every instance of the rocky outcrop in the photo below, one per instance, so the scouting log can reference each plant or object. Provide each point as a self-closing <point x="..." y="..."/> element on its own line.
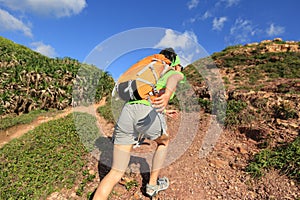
<point x="275" y="45"/>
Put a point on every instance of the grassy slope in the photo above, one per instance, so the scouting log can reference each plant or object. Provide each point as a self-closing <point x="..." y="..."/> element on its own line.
<point x="46" y="159"/>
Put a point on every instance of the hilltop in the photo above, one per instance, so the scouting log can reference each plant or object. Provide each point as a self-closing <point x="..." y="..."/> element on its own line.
<point x="262" y="94"/>
<point x="266" y="76"/>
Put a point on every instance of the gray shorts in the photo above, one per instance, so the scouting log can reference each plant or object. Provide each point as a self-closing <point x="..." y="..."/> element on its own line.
<point x="137" y="119"/>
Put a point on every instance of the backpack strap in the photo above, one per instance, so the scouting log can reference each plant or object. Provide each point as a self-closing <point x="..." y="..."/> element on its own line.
<point x="162" y="120"/>
<point x="145" y="81"/>
<point x="129" y="89"/>
<point x="150" y="65"/>
<point x="166" y="69"/>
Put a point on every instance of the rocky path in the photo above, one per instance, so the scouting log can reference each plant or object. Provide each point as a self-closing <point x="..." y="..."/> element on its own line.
<point x="218" y="175"/>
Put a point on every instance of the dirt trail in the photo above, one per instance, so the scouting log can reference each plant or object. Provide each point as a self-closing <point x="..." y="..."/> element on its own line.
<point x="19" y="130"/>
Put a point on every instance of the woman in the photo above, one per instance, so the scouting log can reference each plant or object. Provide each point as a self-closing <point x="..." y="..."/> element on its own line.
<point x="141" y="117"/>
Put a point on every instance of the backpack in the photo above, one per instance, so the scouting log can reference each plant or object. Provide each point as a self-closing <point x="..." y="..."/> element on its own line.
<point x="139" y="81"/>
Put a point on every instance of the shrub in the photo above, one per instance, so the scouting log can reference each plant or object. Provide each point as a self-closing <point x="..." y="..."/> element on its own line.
<point x="234" y="114"/>
<point x="284" y="158"/>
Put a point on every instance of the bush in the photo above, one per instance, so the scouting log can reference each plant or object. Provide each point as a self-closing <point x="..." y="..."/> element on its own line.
<point x="234" y="113"/>
<point x="206" y="105"/>
<point x="284" y="158"/>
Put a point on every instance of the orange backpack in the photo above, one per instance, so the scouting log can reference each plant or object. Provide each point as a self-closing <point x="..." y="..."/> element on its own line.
<point x="139" y="81"/>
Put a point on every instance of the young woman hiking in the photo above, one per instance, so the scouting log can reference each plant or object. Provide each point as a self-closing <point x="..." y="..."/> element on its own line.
<point x="147" y="118"/>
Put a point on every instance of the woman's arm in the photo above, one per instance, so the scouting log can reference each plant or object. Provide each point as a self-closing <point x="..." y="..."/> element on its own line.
<point x="162" y="101"/>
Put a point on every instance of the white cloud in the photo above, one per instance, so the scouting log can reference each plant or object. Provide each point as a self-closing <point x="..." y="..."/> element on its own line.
<point x="206" y="15"/>
<point x="228" y="3"/>
<point x="185" y="44"/>
<point x="56" y="8"/>
<point x="218" y="23"/>
<point x="44" y="49"/>
<point x="11" y="23"/>
<point x="192" y="4"/>
<point x="241" y="32"/>
<point x="174" y="39"/>
<point x="275" y="30"/>
<point x="192" y="20"/>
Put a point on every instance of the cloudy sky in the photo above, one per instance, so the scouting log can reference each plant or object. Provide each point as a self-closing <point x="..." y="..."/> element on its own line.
<point x="75" y="28"/>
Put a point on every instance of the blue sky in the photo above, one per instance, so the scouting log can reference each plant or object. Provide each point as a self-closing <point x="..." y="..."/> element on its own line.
<point x="76" y="28"/>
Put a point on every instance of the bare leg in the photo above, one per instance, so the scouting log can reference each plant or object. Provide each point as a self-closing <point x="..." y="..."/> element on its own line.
<point x="121" y="157"/>
<point x="158" y="159"/>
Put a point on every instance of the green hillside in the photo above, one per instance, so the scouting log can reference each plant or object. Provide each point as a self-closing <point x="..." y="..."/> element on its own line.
<point x="30" y="81"/>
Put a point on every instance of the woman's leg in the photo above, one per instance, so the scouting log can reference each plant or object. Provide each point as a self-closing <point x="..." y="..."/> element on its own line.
<point x="121" y="157"/>
<point x="158" y="158"/>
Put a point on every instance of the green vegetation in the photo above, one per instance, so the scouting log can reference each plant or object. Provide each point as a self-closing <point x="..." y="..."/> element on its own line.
<point x="284" y="158"/>
<point x="30" y="81"/>
<point x="226" y="80"/>
<point x="193" y="75"/>
<point x="111" y="110"/>
<point x="286" y="67"/>
<point x="234" y="113"/>
<point x="131" y="184"/>
<point x="87" y="178"/>
<point x="44" y="160"/>
<point x="274" y="65"/>
<point x="106" y="112"/>
<point x="86" y="129"/>
<point x="13" y="120"/>
<point x="51" y="156"/>
<point x="253" y="67"/>
<point x="205" y="104"/>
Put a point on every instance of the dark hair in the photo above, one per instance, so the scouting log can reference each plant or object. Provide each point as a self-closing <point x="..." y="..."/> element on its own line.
<point x="169" y="53"/>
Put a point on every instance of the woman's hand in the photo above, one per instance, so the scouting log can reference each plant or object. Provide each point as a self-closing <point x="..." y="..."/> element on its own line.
<point x="172" y="113"/>
<point x="161" y="102"/>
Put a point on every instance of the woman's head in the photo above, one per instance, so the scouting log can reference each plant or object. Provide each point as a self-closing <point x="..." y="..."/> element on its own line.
<point x="169" y="53"/>
<point x="173" y="57"/>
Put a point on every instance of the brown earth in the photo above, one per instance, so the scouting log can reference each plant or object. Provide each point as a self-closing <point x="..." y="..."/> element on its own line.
<point x="218" y="175"/>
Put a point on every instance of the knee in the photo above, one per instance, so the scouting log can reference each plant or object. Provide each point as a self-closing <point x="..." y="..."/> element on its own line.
<point x="163" y="140"/>
<point x="116" y="175"/>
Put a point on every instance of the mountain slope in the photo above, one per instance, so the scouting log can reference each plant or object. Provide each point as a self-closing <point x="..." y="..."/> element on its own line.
<point x="31" y="81"/>
<point x="262" y="83"/>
